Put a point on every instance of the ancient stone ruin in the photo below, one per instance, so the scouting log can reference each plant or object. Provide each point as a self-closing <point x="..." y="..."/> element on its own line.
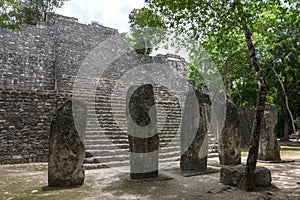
<point x="233" y="175"/>
<point x="194" y="158"/>
<point x="38" y="75"/>
<point x="37" y="83"/>
<point x="269" y="149"/>
<point x="67" y="152"/>
<point x="230" y="138"/>
<point x="142" y="132"/>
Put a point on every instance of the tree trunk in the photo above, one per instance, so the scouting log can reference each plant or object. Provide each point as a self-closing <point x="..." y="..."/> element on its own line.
<point x="286" y="125"/>
<point x="287" y="110"/>
<point x="248" y="182"/>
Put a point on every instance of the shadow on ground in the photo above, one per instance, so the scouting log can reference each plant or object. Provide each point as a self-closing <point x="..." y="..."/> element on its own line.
<point x="26" y="182"/>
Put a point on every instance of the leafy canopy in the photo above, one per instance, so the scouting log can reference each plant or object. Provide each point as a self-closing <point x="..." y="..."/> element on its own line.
<point x="147" y="29"/>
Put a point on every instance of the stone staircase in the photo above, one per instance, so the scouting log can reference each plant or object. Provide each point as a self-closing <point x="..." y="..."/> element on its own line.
<point x="106" y="138"/>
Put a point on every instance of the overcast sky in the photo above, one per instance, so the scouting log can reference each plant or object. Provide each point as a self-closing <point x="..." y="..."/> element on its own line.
<point x="111" y="13"/>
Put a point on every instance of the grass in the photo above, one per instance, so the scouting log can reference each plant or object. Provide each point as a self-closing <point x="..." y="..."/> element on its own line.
<point x="290" y="148"/>
<point x="282" y="148"/>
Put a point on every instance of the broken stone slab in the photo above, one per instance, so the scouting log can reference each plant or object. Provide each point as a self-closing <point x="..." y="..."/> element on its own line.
<point x="232" y="175"/>
<point x="269" y="149"/>
<point x="67" y="151"/>
<point x="229" y="144"/>
<point x="142" y="132"/>
<point x="193" y="136"/>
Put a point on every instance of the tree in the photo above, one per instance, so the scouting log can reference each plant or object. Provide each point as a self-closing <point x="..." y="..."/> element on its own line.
<point x="10" y="11"/>
<point x="15" y="12"/>
<point x="279" y="49"/>
<point x="147" y="29"/>
<point x="276" y="36"/>
<point x="36" y="10"/>
<point x="229" y="53"/>
<point x="202" y="19"/>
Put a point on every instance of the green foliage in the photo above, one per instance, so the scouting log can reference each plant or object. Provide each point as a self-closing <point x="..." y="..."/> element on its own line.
<point x="36" y="10"/>
<point x="217" y="25"/>
<point x="280" y="47"/>
<point x="194" y="74"/>
<point x="229" y="53"/>
<point x="10" y="11"/>
<point x="14" y="12"/>
<point x="147" y="30"/>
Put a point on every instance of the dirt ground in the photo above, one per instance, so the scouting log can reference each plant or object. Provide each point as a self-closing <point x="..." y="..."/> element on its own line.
<point x="26" y="182"/>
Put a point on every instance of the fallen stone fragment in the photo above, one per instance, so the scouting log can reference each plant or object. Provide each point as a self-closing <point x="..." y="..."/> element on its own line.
<point x="232" y="175"/>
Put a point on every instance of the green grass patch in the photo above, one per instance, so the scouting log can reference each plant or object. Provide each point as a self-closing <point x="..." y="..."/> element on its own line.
<point x="290" y="148"/>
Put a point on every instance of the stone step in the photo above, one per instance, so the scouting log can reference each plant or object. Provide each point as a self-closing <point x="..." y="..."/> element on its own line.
<point x="89" y="166"/>
<point x="162" y="137"/>
<point x="114" y="135"/>
<point x="110" y="122"/>
<point x="115" y="130"/>
<point x="106" y="141"/>
<point x="105" y="155"/>
<point x="108" y="92"/>
<point x="108" y="152"/>
<point x="126" y="165"/>
<point x="108" y="146"/>
<point x="121" y="113"/>
<point x="107" y="159"/>
<point x="170" y="155"/>
<point x="124" y="159"/>
<point x="120" y="109"/>
<point x="125" y="141"/>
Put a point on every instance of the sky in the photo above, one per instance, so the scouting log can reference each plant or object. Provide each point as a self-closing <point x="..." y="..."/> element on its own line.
<point x="110" y="13"/>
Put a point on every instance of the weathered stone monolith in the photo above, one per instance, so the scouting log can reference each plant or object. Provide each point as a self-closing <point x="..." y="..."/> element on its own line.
<point x="194" y="128"/>
<point x="269" y="149"/>
<point x="142" y="132"/>
<point x="229" y="144"/>
<point x="67" y="152"/>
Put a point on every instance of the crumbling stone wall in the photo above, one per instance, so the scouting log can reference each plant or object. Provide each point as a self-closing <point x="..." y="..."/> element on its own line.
<point x="37" y="67"/>
<point x="25" y="118"/>
<point x="26" y="59"/>
<point x="176" y="62"/>
<point x="73" y="42"/>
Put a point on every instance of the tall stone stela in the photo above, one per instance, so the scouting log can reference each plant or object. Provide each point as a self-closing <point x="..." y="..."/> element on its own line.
<point x="229" y="143"/>
<point x="67" y="151"/>
<point x="194" y="129"/>
<point x="142" y="132"/>
<point x="269" y="149"/>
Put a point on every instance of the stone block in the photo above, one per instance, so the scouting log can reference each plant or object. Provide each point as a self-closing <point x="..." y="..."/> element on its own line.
<point x="232" y="175"/>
